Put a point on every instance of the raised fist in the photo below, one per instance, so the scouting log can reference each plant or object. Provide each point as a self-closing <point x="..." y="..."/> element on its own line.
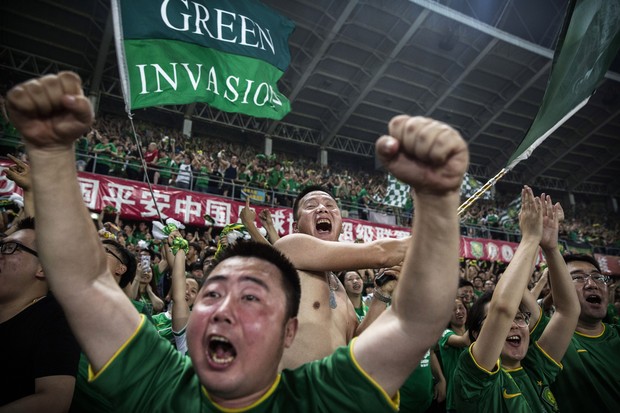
<point x="51" y="111"/>
<point x="424" y="153"/>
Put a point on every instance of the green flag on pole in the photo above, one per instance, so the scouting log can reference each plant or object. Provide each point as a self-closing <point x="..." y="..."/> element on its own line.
<point x="588" y="44"/>
<point x="229" y="54"/>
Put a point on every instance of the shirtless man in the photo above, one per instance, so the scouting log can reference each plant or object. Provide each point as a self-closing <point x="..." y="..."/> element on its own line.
<point x="327" y="318"/>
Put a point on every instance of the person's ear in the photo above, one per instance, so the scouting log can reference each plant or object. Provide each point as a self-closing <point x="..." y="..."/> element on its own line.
<point x="120" y="269"/>
<point x="290" y="330"/>
<point x="40" y="274"/>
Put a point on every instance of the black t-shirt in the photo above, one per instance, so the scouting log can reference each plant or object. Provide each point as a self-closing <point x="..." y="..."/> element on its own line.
<point x="37" y="342"/>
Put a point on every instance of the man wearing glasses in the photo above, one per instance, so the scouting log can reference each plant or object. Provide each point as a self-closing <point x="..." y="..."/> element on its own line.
<point x="38" y="352"/>
<point x="590" y="380"/>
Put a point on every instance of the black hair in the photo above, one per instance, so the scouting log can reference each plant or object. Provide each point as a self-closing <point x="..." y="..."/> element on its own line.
<point x="466" y="312"/>
<point x="150" y="252"/>
<point x="476" y="315"/>
<point x="195" y="266"/>
<point x="582" y="257"/>
<point x="196" y="246"/>
<point x="127" y="259"/>
<point x="290" y="277"/>
<point x="303" y="193"/>
<point x="25" y="223"/>
<point x="465" y="283"/>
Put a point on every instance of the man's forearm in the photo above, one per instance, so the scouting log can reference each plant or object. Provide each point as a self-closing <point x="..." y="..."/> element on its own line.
<point x="432" y="260"/>
<point x="564" y="296"/>
<point x="61" y="214"/>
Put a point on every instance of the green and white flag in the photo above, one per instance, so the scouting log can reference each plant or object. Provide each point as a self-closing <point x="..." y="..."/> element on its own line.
<point x="397" y="193"/>
<point x="229" y="54"/>
<point x="470" y="185"/>
<point x="588" y="44"/>
<point x="509" y="218"/>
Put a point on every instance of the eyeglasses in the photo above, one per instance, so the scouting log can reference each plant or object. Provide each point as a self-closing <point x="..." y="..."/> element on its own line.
<point x="597" y="277"/>
<point x="522" y="319"/>
<point x="9" y="247"/>
<point x="114" y="255"/>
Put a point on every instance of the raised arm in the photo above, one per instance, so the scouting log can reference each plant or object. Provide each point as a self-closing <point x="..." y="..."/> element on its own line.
<point x="180" y="307"/>
<point x="432" y="158"/>
<point x="51" y="112"/>
<point x="265" y="218"/>
<point x="248" y="218"/>
<point x="557" y="335"/>
<point x="323" y="255"/>
<point x="505" y="303"/>
<point x="20" y="174"/>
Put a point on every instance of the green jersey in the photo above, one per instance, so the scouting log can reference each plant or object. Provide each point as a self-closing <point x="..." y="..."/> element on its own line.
<point x="449" y="359"/>
<point x="163" y="325"/>
<point x="104" y="157"/>
<point x="361" y="312"/>
<point x="86" y="399"/>
<point x="590" y="381"/>
<point x="166" y="166"/>
<point x="147" y="374"/>
<point x="522" y="390"/>
<point x="416" y="394"/>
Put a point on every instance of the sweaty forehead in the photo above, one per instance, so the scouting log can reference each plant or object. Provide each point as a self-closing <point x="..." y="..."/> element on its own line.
<point x="352" y="274"/>
<point x="584" y="266"/>
<point x="23" y="236"/>
<point x="316" y="195"/>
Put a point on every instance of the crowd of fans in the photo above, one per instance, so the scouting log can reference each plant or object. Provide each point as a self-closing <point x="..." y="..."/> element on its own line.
<point x="242" y="304"/>
<point x="210" y="165"/>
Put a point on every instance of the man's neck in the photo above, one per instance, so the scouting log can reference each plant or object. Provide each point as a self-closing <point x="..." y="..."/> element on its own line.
<point x="10" y="309"/>
<point x="355" y="299"/>
<point x="590" y="328"/>
<point x="241" y="402"/>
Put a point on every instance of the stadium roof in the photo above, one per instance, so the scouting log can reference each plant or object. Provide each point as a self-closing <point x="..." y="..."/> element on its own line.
<point x="480" y="65"/>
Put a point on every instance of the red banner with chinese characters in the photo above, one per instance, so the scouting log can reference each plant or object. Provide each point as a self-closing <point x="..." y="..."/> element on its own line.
<point x="610" y="264"/>
<point x="135" y="202"/>
<point x="490" y="250"/>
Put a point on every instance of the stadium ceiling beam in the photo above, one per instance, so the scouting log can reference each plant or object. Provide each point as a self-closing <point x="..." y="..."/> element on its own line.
<point x="333" y="130"/>
<point x="580" y="176"/>
<point x="30" y="64"/>
<point x="474" y="63"/>
<point x="104" y="48"/>
<point x="511" y="101"/>
<point x="559" y="153"/>
<point x="318" y="56"/>
<point x="450" y="13"/>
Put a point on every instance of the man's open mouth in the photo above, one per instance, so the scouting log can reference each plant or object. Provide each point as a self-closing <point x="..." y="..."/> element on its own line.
<point x="324" y="225"/>
<point x="514" y="340"/>
<point x="221" y="351"/>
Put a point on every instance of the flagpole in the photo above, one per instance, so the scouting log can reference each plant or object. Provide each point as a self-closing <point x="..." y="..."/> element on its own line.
<point x="484" y="188"/>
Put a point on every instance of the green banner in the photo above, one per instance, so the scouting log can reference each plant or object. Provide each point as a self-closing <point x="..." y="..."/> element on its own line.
<point x="242" y="27"/>
<point x="228" y="54"/>
<point x="229" y="82"/>
<point x="588" y="44"/>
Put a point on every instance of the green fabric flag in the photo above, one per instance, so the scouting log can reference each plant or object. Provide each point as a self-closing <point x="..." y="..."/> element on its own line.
<point x="228" y="54"/>
<point x="588" y="44"/>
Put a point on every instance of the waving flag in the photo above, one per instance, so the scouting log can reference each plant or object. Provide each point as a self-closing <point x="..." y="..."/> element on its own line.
<point x="229" y="54"/>
<point x="588" y="44"/>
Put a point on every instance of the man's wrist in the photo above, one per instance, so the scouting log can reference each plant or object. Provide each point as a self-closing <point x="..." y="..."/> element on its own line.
<point x="382" y="296"/>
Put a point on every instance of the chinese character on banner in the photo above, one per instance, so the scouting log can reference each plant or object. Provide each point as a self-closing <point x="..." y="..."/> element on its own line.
<point x="118" y="195"/>
<point x="219" y="211"/>
<point x="187" y="208"/>
<point x="90" y="191"/>
<point x="163" y="202"/>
